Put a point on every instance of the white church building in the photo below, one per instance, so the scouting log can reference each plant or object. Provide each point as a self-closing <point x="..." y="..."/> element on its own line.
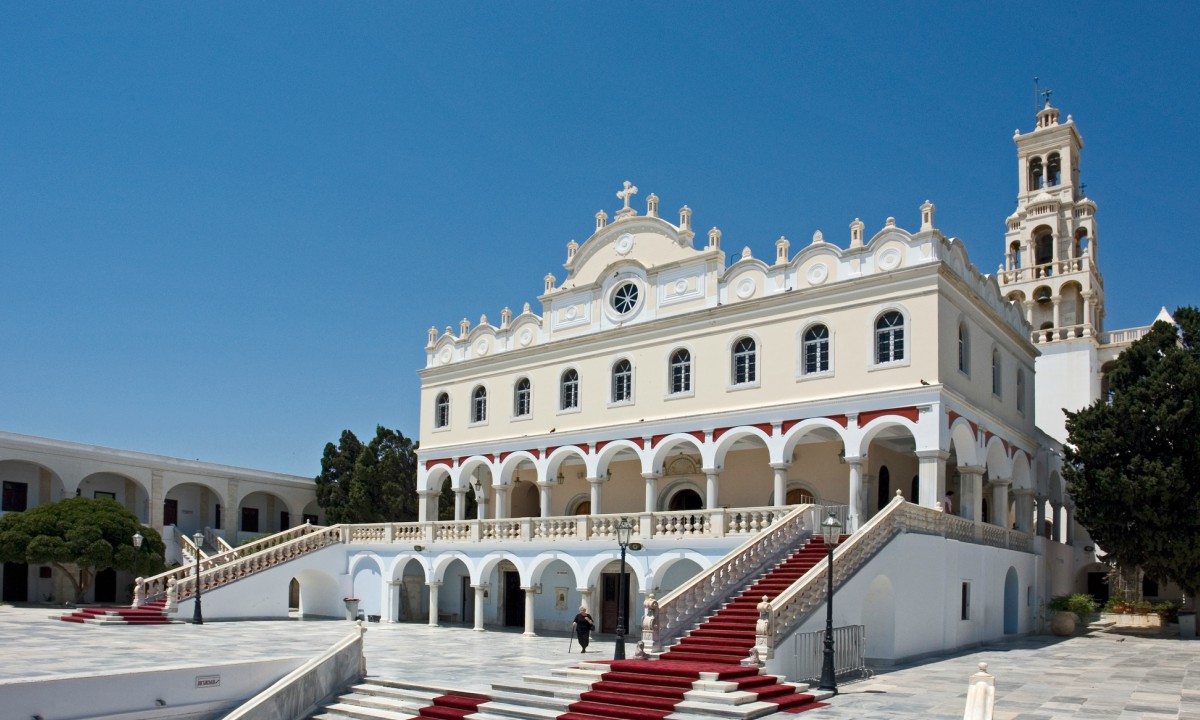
<point x="725" y="404"/>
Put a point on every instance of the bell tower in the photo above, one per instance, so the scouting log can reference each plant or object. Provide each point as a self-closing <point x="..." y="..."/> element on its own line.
<point x="1050" y="266"/>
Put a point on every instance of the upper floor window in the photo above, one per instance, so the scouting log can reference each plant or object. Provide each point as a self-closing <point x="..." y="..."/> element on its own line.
<point x="681" y="372"/>
<point x="622" y="381"/>
<point x="745" y="362"/>
<point x="441" y="411"/>
<point x="889" y="337"/>
<point x="1021" y="391"/>
<point x="816" y="350"/>
<point x="522" y="406"/>
<point x="568" y="397"/>
<point x="964" y="349"/>
<point x="996" y="373"/>
<point x="479" y="405"/>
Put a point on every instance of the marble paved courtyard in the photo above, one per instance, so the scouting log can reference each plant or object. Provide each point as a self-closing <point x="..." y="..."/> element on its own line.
<point x="1102" y="675"/>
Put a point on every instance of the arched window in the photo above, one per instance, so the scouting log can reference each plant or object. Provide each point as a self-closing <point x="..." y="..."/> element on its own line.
<point x="1036" y="179"/>
<point x="816" y="350"/>
<point x="441" y="411"/>
<point x="568" y="397"/>
<point x="1043" y="248"/>
<point x="1081" y="243"/>
<point x="964" y="349"/>
<point x="745" y="362"/>
<point x="522" y="405"/>
<point x="1014" y="252"/>
<point x="996" y="373"/>
<point x="1053" y="170"/>
<point x="479" y="405"/>
<point x="889" y="337"/>
<point x="681" y="372"/>
<point x="1021" y="390"/>
<point x="622" y="381"/>
<point x="883" y="493"/>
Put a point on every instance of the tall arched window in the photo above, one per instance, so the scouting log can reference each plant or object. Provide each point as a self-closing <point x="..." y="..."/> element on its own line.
<point x="889" y="337"/>
<point x="1043" y="248"/>
<point x="745" y="362"/>
<point x="441" y="411"/>
<point x="1036" y="178"/>
<point x="479" y="405"/>
<point x="522" y="398"/>
<point x="568" y="396"/>
<point x="1053" y="170"/>
<point x="622" y="381"/>
<point x="681" y="372"/>
<point x="964" y="349"/>
<point x="996" y="373"/>
<point x="816" y="350"/>
<point x="1021" y="390"/>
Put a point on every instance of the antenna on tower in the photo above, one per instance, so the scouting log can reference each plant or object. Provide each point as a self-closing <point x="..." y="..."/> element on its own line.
<point x="1037" y="91"/>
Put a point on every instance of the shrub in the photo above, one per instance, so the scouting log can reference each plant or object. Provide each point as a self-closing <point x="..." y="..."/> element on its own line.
<point x="1082" y="604"/>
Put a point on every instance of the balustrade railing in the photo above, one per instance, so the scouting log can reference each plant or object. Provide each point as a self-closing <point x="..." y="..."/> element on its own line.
<point x="1065" y="332"/>
<point x="215" y="540"/>
<point x="147" y="589"/>
<point x="670" y="617"/>
<point x="1124" y="336"/>
<point x="684" y="524"/>
<point x="781" y="616"/>
<point x="1045" y="270"/>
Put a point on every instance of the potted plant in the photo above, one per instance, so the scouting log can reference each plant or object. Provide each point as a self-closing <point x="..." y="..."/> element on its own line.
<point x="1070" y="610"/>
<point x="351" y="608"/>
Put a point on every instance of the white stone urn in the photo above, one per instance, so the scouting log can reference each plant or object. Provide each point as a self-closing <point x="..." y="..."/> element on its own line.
<point x="1063" y="623"/>
<point x="351" y="608"/>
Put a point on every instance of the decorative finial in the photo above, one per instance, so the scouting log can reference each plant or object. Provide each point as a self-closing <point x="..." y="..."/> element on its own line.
<point x="927" y="209"/>
<point x="626" y="195"/>
<point x="652" y="205"/>
<point x="714" y="239"/>
<point x="856" y="233"/>
<point x="572" y="248"/>
<point x="464" y="327"/>
<point x="818" y="237"/>
<point x="505" y="317"/>
<point x="601" y="220"/>
<point x="432" y="335"/>
<point x="781" y="250"/>
<point x="549" y="281"/>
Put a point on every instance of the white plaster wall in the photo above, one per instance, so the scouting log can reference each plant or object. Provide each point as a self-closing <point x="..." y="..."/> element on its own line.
<point x="1067" y="373"/>
<point x="265" y="594"/>
<point x="926" y="573"/>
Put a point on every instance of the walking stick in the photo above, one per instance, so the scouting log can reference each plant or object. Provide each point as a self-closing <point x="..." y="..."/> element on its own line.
<point x="571" y="638"/>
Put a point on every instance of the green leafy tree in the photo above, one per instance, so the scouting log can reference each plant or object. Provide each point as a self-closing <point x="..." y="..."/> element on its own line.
<point x="1133" y="457"/>
<point x="372" y="483"/>
<point x="81" y="536"/>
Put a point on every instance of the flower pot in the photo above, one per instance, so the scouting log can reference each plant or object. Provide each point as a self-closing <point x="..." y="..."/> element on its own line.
<point x="351" y="609"/>
<point x="1063" y="623"/>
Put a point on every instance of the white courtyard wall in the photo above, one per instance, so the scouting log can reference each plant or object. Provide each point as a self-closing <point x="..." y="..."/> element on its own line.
<point x="1068" y="377"/>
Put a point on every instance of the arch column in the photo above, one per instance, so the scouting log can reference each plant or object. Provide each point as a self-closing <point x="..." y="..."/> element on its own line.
<point x="460" y="503"/>
<point x="530" y="597"/>
<point x="1040" y="524"/>
<point x="712" y="488"/>
<point x="479" y="598"/>
<point x="544" y="488"/>
<point x="392" y="611"/>
<point x="1068" y="522"/>
<point x="779" y="490"/>
<point x="855" y="500"/>
<point x="481" y="502"/>
<point x="427" y="505"/>
<point x="651" y="490"/>
<point x="971" y="480"/>
<point x="157" y="498"/>
<point x="585" y="597"/>
<point x="500" y="512"/>
<point x="1087" y="313"/>
<point x="594" y="486"/>
<point x="1057" y="301"/>
<point x="1000" y="501"/>
<point x="931" y="476"/>
<point x="1029" y="313"/>
<point x="1023" y="498"/>
<point x="433" y="603"/>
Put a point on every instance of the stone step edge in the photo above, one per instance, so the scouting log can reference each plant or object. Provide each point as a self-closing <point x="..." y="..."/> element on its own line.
<point x="358" y="711"/>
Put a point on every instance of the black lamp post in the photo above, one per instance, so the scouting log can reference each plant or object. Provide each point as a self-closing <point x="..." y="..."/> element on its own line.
<point x="624" y="532"/>
<point x="197" y="616"/>
<point x="137" y="540"/>
<point x="831" y="531"/>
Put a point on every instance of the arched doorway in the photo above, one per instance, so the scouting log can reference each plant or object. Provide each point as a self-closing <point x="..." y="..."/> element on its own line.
<point x="1011" y="602"/>
<point x="685" y="500"/>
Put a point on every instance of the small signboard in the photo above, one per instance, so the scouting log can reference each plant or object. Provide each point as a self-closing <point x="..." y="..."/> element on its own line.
<point x="207" y="681"/>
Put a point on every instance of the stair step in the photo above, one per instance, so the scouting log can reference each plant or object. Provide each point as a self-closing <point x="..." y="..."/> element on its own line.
<point x="622" y="712"/>
<point x="617" y="698"/>
<point x="360" y="712"/>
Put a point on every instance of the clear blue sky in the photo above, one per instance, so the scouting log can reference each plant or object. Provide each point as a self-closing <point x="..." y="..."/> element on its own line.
<point x="226" y="227"/>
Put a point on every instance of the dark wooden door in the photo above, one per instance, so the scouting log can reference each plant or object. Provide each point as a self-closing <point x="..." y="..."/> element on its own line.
<point x="514" y="600"/>
<point x="609" y="602"/>
<point x="285" y="521"/>
<point x="170" y="512"/>
<point x="16" y="582"/>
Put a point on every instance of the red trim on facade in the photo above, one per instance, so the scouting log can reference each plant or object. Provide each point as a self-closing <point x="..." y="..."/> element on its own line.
<point x="719" y="432"/>
<point x="840" y="420"/>
<point x="545" y="453"/>
<point x="504" y="455"/>
<point x="908" y="413"/>
<point x="766" y="428"/>
<point x="448" y="462"/>
<point x="600" y="445"/>
<point x="699" y="435"/>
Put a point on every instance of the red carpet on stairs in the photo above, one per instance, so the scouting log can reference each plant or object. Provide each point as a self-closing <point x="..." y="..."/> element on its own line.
<point x="452" y="707"/>
<point x="153" y="613"/>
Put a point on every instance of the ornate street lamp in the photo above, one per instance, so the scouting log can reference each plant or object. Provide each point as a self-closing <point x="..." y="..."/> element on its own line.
<point x="624" y="530"/>
<point x="137" y="539"/>
<point x="197" y="616"/>
<point x="831" y="531"/>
